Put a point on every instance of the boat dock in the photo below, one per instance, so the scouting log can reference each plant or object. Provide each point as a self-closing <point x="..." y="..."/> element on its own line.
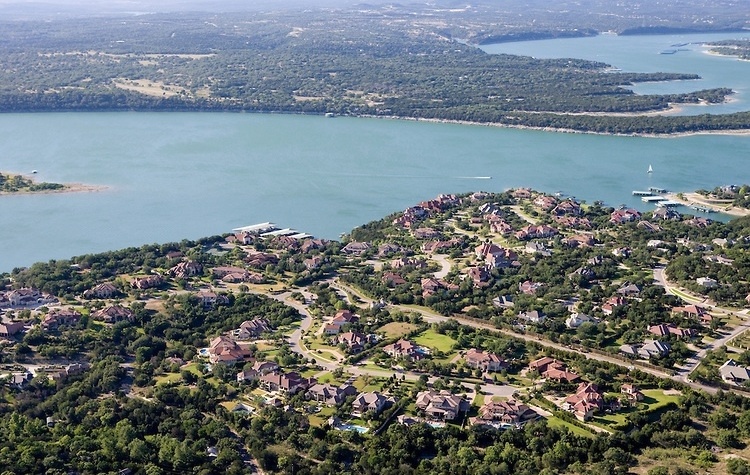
<point x="270" y="230"/>
<point x="652" y="199"/>
<point x="642" y="193"/>
<point x="654" y="189"/>
<point x="668" y="204"/>
<point x="702" y="209"/>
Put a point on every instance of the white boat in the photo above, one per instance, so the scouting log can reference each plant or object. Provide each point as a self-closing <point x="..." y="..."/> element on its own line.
<point x="650" y="170"/>
<point x="33" y="172"/>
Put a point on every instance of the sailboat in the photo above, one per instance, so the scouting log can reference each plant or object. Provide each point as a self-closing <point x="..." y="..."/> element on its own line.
<point x="650" y="170"/>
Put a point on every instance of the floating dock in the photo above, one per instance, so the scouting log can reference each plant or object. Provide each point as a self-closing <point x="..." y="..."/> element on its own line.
<point x="256" y="228"/>
<point x="270" y="230"/>
<point x="642" y="193"/>
<point x="652" y="199"/>
<point x="668" y="204"/>
<point x="702" y="209"/>
<point x="654" y="189"/>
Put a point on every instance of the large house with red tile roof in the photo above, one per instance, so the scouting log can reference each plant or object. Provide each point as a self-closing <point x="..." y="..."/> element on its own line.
<point x="484" y="360"/>
<point x="62" y="316"/>
<point x="114" y="314"/>
<point x="504" y="413"/>
<point x="404" y="349"/>
<point x="441" y="406"/>
<point x="586" y="401"/>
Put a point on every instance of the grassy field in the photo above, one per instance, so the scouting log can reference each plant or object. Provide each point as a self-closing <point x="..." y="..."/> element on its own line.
<point x="397" y="329"/>
<point x="654" y="400"/>
<point x="435" y="341"/>
<point x="556" y="422"/>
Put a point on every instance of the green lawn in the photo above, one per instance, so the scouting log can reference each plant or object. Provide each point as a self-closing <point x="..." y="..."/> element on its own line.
<point x="656" y="399"/>
<point x="436" y="341"/>
<point x="555" y="422"/>
<point x="168" y="378"/>
<point x="319" y="419"/>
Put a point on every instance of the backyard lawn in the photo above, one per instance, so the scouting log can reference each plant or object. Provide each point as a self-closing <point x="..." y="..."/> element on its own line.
<point x="436" y="341"/>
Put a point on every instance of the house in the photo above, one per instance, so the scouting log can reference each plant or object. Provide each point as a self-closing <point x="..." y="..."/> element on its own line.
<point x="353" y="341"/>
<point x="667" y="329"/>
<point x="388" y="249"/>
<point x="114" y="314"/>
<point x="503" y="301"/>
<point x="632" y="393"/>
<point x="355" y="248"/>
<point x="532" y="316"/>
<point x="504" y="413"/>
<point x="426" y="233"/>
<point x="20" y="380"/>
<point x="522" y="193"/>
<point x="252" y="329"/>
<point x="622" y="252"/>
<point x="238" y="274"/>
<point x="329" y="394"/>
<point x="541" y="364"/>
<point x="288" y="383"/>
<point x="567" y="207"/>
<point x="574" y="222"/>
<point x="434" y="247"/>
<point x="690" y="311"/>
<point x="404" y="349"/>
<point x="545" y="202"/>
<point x="707" y="282"/>
<point x="666" y="213"/>
<point x="535" y="247"/>
<point x="586" y="401"/>
<point x="148" y="282"/>
<point x="486" y="361"/>
<point x="733" y="373"/>
<point x="209" y="299"/>
<point x="186" y="269"/>
<point x="224" y="350"/>
<point x="370" y="402"/>
<point x="654" y="349"/>
<point x="408" y="262"/>
<point x="265" y="367"/>
<point x="260" y="260"/>
<point x="57" y="317"/>
<point x="391" y="279"/>
<point x="553" y="369"/>
<point x="10" y="329"/>
<point x="699" y="222"/>
<point x="441" y="406"/>
<point x="629" y="290"/>
<point x="479" y="276"/>
<point x="342" y="317"/>
<point x="536" y="232"/>
<point x="29" y="297"/>
<point x="104" y="290"/>
<point x="577" y="319"/>
<point x="314" y="262"/>
<point x="579" y="240"/>
<point x="612" y="303"/>
<point x="529" y="288"/>
<point x="624" y="215"/>
<point x="311" y="244"/>
<point x="247" y="375"/>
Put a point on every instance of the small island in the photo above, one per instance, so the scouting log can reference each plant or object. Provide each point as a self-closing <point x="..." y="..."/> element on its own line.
<point x="13" y="183"/>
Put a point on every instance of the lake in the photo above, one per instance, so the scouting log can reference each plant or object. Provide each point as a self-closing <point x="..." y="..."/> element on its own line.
<point x="186" y="175"/>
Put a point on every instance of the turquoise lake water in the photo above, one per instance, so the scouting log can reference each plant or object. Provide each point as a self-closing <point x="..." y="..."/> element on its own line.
<point x="186" y="175"/>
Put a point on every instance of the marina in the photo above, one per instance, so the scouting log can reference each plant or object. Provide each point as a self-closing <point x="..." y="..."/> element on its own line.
<point x="652" y="199"/>
<point x="270" y="230"/>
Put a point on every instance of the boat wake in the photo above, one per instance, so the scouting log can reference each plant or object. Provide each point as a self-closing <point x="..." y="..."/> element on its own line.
<point x="474" y="177"/>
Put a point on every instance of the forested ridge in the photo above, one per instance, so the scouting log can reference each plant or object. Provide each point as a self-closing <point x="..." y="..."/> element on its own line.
<point x="375" y="62"/>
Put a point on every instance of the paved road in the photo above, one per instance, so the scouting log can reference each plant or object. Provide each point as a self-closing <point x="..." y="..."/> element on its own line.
<point x="434" y="317"/>
<point x="692" y="363"/>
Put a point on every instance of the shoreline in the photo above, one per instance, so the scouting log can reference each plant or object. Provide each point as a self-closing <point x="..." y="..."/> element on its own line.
<point x="691" y="199"/>
<point x="735" y="132"/>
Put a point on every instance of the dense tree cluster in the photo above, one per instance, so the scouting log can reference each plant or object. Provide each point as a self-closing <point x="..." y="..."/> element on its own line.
<point x="346" y="62"/>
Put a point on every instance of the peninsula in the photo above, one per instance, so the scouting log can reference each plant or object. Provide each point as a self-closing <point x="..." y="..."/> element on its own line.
<point x="467" y="333"/>
<point x="13" y="183"/>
